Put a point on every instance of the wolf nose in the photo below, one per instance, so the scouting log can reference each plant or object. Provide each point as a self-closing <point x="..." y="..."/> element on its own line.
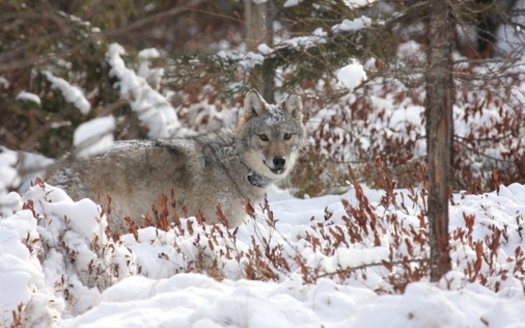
<point x="279" y="162"/>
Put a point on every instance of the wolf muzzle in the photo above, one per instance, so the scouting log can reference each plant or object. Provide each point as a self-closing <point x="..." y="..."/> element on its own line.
<point x="279" y="162"/>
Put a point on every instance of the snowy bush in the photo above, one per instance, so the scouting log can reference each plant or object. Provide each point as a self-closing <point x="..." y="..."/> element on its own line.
<point x="64" y="256"/>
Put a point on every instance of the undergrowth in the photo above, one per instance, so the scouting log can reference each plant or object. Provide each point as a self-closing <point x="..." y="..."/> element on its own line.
<point x="395" y="228"/>
<point x="379" y="243"/>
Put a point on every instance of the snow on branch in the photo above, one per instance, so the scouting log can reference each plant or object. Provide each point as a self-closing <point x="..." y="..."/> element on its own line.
<point x="355" y="4"/>
<point x="28" y="96"/>
<point x="94" y="136"/>
<point x="153" y="109"/>
<point x="291" y="3"/>
<point x="152" y="75"/>
<point x="71" y="93"/>
<point x="352" y="4"/>
<point x="351" y="75"/>
<point x="352" y="25"/>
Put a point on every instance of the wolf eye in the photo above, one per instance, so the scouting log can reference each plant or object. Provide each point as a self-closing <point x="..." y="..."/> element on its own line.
<point x="287" y="136"/>
<point x="263" y="137"/>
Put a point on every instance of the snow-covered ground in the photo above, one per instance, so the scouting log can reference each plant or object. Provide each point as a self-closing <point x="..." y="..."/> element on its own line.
<point x="309" y="263"/>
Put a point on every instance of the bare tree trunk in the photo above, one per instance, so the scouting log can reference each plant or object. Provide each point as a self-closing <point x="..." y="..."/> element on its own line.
<point x="258" y="18"/>
<point x="269" y="77"/>
<point x="255" y="22"/>
<point x="440" y="131"/>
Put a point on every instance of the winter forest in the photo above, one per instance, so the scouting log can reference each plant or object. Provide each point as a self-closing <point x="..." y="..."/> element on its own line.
<point x="405" y="208"/>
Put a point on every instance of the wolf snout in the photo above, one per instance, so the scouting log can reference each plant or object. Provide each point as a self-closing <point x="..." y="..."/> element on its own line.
<point x="279" y="162"/>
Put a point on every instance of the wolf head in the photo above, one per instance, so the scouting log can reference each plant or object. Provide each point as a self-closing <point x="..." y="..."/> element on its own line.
<point x="269" y="137"/>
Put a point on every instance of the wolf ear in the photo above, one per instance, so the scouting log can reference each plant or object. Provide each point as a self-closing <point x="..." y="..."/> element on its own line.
<point x="294" y="106"/>
<point x="254" y="105"/>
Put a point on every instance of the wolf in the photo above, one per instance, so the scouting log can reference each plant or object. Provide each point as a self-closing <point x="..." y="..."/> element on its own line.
<point x="225" y="167"/>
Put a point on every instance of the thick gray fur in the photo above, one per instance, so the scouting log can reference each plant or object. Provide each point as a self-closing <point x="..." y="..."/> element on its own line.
<point x="223" y="167"/>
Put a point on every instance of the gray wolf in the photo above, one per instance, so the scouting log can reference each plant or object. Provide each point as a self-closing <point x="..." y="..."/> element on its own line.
<point x="224" y="167"/>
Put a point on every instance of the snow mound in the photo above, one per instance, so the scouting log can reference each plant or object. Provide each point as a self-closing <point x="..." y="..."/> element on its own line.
<point x="338" y="261"/>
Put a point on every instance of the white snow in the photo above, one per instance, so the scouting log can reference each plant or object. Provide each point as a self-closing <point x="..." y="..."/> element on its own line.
<point x="153" y="76"/>
<point x="153" y="109"/>
<point x="355" y="4"/>
<point x="17" y="171"/>
<point x="28" y="96"/>
<point x="264" y="49"/>
<point x="352" y="25"/>
<point x="318" y="36"/>
<point x="8" y="174"/>
<point x="4" y="82"/>
<point x="57" y="261"/>
<point x="291" y="3"/>
<point x="93" y="137"/>
<point x="149" y="53"/>
<point x="351" y="75"/>
<point x="71" y="93"/>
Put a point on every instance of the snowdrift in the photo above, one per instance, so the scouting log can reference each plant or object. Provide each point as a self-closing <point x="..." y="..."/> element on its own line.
<point x="352" y="260"/>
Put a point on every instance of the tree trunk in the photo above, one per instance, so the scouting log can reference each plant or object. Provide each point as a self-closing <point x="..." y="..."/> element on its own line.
<point x="258" y="19"/>
<point x="440" y="131"/>
<point x="269" y="77"/>
<point x="255" y="22"/>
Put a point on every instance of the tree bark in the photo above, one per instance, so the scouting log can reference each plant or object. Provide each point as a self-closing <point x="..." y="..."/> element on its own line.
<point x="255" y="22"/>
<point x="258" y="19"/>
<point x="440" y="94"/>
<point x="269" y="77"/>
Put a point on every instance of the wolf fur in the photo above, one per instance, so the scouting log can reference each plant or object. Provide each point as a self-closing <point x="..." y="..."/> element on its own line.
<point x="223" y="167"/>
